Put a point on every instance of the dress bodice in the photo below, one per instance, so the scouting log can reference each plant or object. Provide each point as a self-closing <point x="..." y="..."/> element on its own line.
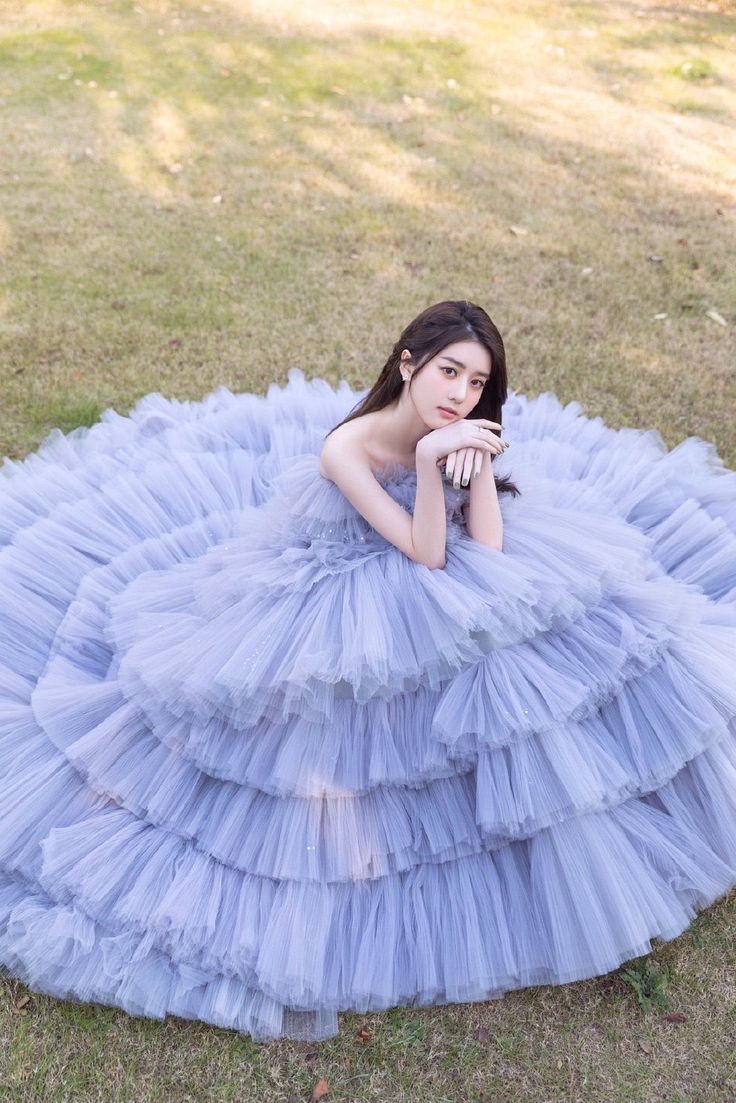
<point x="315" y="507"/>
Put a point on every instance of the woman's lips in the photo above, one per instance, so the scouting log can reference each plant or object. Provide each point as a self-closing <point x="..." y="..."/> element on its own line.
<point x="447" y="413"/>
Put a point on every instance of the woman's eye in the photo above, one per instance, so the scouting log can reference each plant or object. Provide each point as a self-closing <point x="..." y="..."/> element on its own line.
<point x="481" y="381"/>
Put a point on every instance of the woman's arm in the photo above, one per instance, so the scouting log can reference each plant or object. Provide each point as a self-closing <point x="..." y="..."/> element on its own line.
<point x="483" y="515"/>
<point x="422" y="536"/>
<point x="430" y="520"/>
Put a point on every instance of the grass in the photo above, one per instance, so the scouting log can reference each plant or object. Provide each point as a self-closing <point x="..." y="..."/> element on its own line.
<point x="197" y="194"/>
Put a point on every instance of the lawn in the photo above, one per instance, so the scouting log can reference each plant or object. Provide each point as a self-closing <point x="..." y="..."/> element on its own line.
<point x="206" y="194"/>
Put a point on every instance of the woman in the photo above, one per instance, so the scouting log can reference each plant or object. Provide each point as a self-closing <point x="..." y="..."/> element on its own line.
<point x="458" y="367"/>
<point x="290" y="723"/>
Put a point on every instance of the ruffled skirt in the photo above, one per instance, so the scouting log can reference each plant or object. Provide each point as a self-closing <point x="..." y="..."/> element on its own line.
<point x="259" y="767"/>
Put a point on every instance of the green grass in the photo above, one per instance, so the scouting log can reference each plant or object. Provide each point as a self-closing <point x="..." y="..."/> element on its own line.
<point x="695" y="69"/>
<point x="370" y="159"/>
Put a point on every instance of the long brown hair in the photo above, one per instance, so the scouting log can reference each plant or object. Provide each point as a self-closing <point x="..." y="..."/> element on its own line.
<point x="431" y="331"/>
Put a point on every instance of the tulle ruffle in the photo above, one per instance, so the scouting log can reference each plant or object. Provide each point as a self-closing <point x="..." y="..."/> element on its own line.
<point x="248" y="745"/>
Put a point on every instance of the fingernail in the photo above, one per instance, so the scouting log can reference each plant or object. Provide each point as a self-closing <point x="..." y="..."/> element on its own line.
<point x="456" y="485"/>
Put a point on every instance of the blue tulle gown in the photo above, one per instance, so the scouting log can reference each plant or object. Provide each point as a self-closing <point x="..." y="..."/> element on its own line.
<point x="258" y="766"/>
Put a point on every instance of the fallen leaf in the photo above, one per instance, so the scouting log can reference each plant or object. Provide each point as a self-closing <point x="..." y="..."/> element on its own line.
<point x="320" y="1088"/>
<point x="645" y="1047"/>
<point x="518" y="230"/>
<point x="23" y="1001"/>
<point x="655" y="259"/>
<point x="483" y="1035"/>
<point x="675" y="1017"/>
<point x="716" y="317"/>
<point x="659" y="317"/>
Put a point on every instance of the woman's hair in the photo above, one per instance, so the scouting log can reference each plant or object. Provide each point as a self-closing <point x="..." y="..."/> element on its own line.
<point x="431" y="331"/>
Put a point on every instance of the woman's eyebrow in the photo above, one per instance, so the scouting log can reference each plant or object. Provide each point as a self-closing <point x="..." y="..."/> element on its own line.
<point x="460" y="364"/>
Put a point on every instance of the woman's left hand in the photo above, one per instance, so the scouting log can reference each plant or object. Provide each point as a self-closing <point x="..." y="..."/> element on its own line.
<point x="460" y="466"/>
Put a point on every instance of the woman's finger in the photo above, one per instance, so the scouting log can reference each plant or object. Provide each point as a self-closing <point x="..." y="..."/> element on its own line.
<point x="467" y="471"/>
<point x="489" y="435"/>
<point x="457" y="468"/>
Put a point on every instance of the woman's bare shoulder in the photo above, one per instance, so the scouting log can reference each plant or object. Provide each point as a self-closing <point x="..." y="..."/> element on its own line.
<point x="346" y="443"/>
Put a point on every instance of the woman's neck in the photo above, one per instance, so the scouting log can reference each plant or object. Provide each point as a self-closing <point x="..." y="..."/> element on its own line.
<point x="396" y="430"/>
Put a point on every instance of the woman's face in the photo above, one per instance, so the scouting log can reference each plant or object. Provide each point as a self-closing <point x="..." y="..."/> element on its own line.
<point x="453" y="379"/>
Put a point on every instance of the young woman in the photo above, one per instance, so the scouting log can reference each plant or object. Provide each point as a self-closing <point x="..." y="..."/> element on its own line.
<point x="455" y="369"/>
<point x="294" y="721"/>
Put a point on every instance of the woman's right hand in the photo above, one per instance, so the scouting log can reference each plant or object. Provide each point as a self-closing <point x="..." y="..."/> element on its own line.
<point x="462" y="433"/>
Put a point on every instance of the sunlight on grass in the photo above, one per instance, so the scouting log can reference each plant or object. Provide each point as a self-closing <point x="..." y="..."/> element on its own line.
<point x="169" y="139"/>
